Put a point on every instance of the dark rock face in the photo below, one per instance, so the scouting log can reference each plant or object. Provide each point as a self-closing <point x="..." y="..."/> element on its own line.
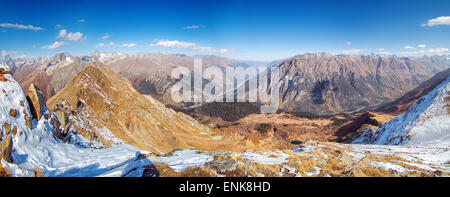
<point x="319" y="89"/>
<point x="327" y="84"/>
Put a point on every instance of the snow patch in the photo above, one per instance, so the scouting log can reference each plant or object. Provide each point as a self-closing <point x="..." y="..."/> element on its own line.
<point x="269" y="158"/>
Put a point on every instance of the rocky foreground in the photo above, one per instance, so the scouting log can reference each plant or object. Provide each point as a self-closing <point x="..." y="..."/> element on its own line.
<point x="314" y="159"/>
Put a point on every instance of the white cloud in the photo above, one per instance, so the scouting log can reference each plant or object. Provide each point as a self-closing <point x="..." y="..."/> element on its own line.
<point x="58" y="26"/>
<point x="352" y="51"/>
<point x="128" y="45"/>
<point x="62" y="34"/>
<point x="442" y="20"/>
<point x="348" y="43"/>
<point x="194" y="27"/>
<point x="105" y="44"/>
<point x="81" y="21"/>
<point x="70" y="36"/>
<point x="410" y="47"/>
<point x="431" y="51"/>
<point x="74" y="36"/>
<point x="422" y="46"/>
<point x="6" y="52"/>
<point x="19" y="26"/>
<point x="105" y="37"/>
<point x="55" y="45"/>
<point x="187" y="45"/>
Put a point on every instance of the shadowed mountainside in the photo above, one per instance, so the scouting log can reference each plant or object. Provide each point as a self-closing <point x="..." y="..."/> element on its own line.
<point x="322" y="83"/>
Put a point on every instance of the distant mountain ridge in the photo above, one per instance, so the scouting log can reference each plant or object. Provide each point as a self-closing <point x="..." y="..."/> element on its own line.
<point x="316" y="82"/>
<point x="148" y="72"/>
<point x="327" y="84"/>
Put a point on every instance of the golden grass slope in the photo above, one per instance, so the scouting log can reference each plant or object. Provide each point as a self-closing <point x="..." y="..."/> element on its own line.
<point x="105" y="99"/>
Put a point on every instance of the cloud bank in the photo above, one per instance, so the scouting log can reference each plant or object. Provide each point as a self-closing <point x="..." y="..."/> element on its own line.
<point x="442" y="20"/>
<point x="187" y="45"/>
<point x="55" y="45"/>
<point x="19" y="26"/>
<point x="70" y="36"/>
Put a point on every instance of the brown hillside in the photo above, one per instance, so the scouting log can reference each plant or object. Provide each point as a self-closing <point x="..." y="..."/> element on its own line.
<point x="101" y="99"/>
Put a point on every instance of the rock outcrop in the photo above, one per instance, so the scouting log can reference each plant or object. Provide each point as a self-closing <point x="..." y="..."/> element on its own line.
<point x="36" y="99"/>
<point x="6" y="148"/>
<point x="2" y="72"/>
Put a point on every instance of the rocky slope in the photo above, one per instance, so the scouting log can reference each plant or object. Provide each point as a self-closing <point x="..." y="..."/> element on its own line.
<point x="427" y="122"/>
<point x="325" y="84"/>
<point x="103" y="107"/>
<point x="312" y="159"/>
<point x="108" y="105"/>
<point x="33" y="148"/>
<point x="377" y="116"/>
<point x="400" y="105"/>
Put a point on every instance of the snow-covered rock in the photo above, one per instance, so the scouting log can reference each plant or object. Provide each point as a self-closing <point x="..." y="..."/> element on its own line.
<point x="36" y="148"/>
<point x="427" y="122"/>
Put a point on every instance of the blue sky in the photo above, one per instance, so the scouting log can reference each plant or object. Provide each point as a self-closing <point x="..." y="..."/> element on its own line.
<point x="245" y="30"/>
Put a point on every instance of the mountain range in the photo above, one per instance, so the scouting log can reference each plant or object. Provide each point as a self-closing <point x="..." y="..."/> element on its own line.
<point x="140" y="131"/>
<point x="318" y="83"/>
<point x="99" y="124"/>
<point x="322" y="83"/>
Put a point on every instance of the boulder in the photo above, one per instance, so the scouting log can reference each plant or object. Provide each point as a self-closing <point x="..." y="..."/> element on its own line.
<point x="13" y="112"/>
<point x="2" y="72"/>
<point x="6" y="148"/>
<point x="61" y="117"/>
<point x="36" y="100"/>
